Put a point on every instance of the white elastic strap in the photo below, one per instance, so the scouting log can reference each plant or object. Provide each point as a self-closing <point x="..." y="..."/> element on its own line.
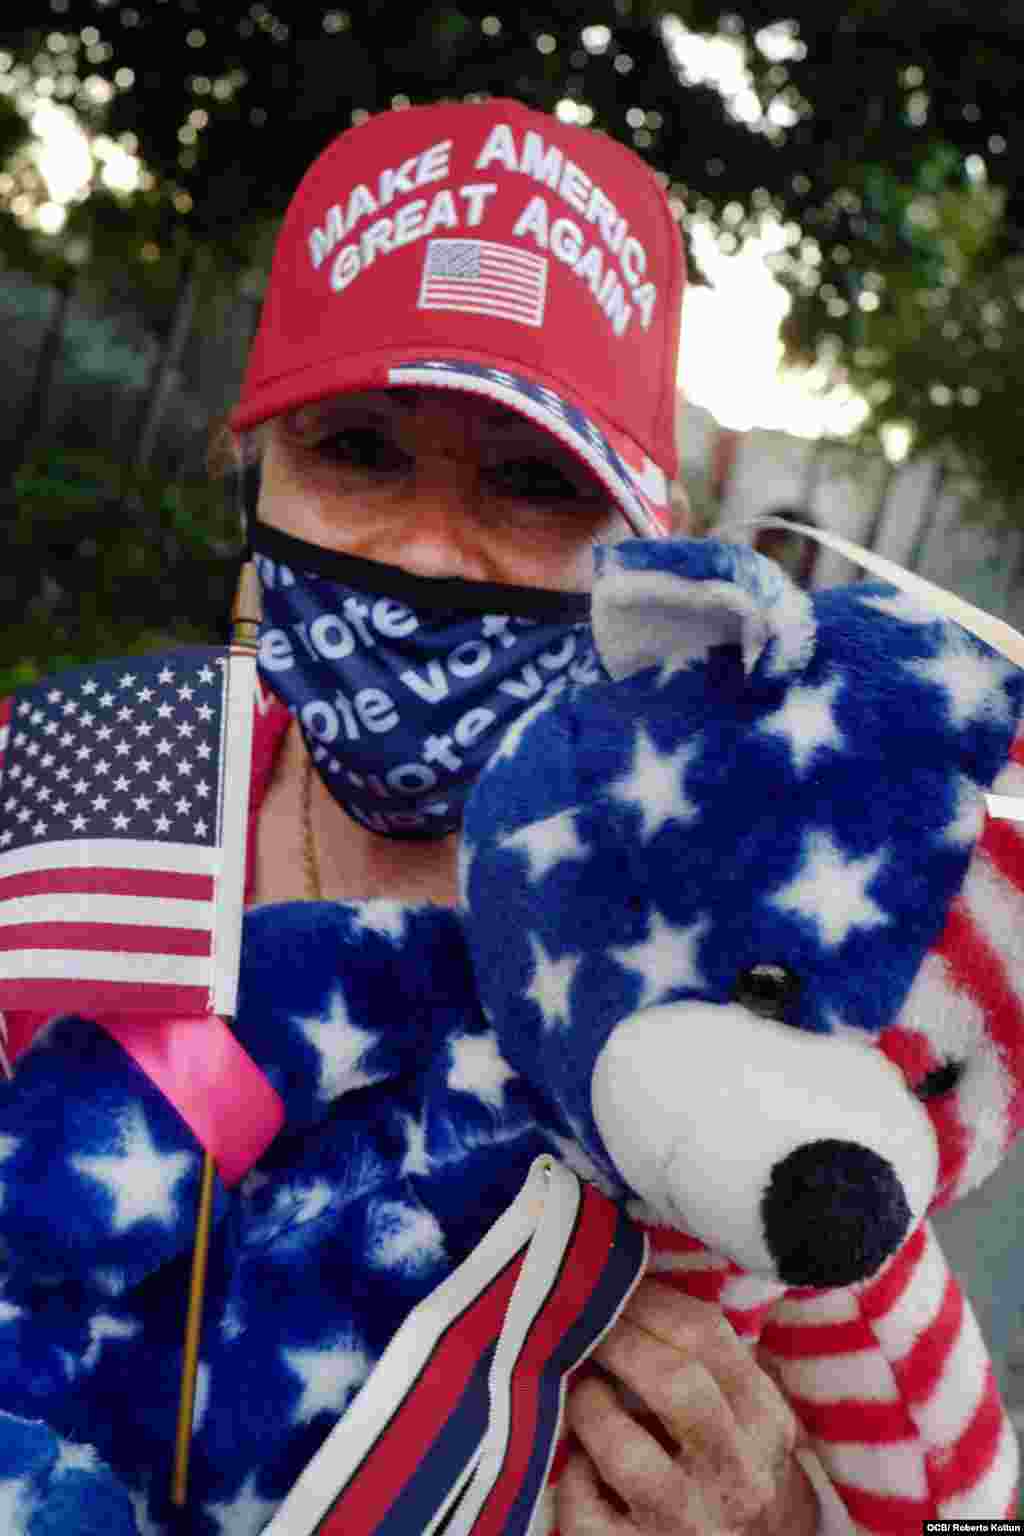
<point x="1002" y="637"/>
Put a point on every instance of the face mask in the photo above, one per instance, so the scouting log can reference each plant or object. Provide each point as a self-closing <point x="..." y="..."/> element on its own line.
<point x="404" y="685"/>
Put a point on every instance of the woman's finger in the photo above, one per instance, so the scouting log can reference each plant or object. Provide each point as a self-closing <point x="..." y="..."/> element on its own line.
<point x="581" y="1508"/>
<point x="699" y="1329"/>
<point x="657" y="1490"/>
<point x="713" y="1449"/>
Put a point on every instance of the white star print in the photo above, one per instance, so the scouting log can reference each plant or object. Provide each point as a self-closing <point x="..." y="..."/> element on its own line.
<point x="140" y="1180"/>
<point x="9" y="1313"/>
<point x="830" y="890"/>
<point x="329" y="1377"/>
<point x="8" y="1146"/>
<point x="465" y="854"/>
<point x="416" y="1159"/>
<point x="547" y="843"/>
<point x="807" y="722"/>
<point x="479" y="1068"/>
<point x="902" y="605"/>
<point x="972" y="684"/>
<point x="381" y="916"/>
<point x="969" y="815"/>
<point x="245" y="1514"/>
<point x="147" y="1526"/>
<point x="308" y="1201"/>
<point x="101" y="1327"/>
<point x="75" y="1458"/>
<point x="403" y="1237"/>
<point x="17" y="1503"/>
<point x="341" y="1045"/>
<point x="202" y="1398"/>
<point x="666" y="959"/>
<point x="654" y="784"/>
<point x="552" y="979"/>
<point x="513" y="737"/>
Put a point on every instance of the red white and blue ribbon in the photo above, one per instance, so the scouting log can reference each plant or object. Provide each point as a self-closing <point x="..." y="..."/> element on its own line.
<point x="458" y="1423"/>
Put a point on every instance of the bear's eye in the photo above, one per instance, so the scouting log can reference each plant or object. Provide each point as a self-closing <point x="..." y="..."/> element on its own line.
<point x="767" y="990"/>
<point x="940" y="1080"/>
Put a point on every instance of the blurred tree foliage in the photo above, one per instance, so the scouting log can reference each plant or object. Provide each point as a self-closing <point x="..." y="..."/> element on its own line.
<point x="102" y="559"/>
<point x="881" y="143"/>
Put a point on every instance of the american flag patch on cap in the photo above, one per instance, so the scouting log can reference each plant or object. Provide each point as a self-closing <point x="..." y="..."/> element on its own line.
<point x="483" y="277"/>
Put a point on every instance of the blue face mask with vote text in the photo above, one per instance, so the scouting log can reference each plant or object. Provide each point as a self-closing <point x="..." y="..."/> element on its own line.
<point x="403" y="685"/>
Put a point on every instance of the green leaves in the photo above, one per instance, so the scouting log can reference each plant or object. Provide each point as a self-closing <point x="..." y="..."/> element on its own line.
<point x="101" y="560"/>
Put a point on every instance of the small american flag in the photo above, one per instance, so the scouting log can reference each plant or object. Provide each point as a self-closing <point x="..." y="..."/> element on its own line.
<point x="112" y="834"/>
<point x="483" y="277"/>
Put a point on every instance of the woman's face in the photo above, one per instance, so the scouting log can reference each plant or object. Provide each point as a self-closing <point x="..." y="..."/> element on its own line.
<point x="438" y="483"/>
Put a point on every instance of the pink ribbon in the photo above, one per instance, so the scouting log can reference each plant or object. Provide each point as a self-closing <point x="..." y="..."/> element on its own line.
<point x="213" y="1083"/>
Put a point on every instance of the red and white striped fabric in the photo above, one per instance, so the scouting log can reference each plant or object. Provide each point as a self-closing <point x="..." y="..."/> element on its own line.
<point x="890" y="1378"/>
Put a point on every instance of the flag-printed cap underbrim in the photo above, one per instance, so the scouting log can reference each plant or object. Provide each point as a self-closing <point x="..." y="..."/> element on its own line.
<point x="487" y="248"/>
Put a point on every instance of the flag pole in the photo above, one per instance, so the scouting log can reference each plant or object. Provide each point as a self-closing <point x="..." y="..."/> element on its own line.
<point x="245" y="620"/>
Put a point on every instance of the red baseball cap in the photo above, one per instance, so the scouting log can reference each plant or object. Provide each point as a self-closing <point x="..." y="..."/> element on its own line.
<point x="488" y="248"/>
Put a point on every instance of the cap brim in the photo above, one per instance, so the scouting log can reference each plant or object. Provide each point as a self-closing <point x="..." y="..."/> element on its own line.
<point x="634" y="482"/>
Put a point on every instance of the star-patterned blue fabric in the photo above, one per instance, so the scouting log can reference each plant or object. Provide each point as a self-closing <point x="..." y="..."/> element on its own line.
<point x="779" y="780"/>
<point x="406" y="1136"/>
<point x="757" y="775"/>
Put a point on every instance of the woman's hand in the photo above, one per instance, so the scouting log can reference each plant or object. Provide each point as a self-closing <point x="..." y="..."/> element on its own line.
<point x="706" y="1444"/>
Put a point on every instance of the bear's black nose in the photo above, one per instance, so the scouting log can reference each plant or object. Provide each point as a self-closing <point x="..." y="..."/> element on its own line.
<point x="832" y="1212"/>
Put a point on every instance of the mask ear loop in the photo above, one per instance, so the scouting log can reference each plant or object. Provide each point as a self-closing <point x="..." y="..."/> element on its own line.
<point x="242" y="489"/>
<point x="1002" y="637"/>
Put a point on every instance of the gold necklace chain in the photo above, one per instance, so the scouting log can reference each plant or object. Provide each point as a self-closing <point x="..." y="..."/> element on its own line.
<point x="314" y="891"/>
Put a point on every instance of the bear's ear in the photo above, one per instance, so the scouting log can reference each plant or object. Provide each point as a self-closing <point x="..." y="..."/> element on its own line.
<point x="659" y="601"/>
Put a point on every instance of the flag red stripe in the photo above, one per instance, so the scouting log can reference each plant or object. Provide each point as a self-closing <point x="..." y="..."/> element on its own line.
<point x="472" y="295"/>
<point x="508" y="256"/>
<point x="169" y="884"/>
<point x="117" y="938"/>
<point x="50" y="996"/>
<point x="487" y="287"/>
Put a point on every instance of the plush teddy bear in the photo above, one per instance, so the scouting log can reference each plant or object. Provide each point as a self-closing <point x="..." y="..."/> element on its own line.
<point x="752" y="927"/>
<point x="738" y="942"/>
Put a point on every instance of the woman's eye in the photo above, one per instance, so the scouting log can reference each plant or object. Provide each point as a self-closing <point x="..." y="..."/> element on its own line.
<point x="533" y="479"/>
<point x="365" y="448"/>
